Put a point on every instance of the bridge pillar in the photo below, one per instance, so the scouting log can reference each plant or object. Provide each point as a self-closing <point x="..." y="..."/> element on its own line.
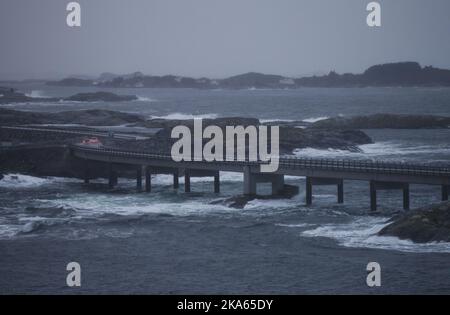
<point x="176" y="183"/>
<point x="249" y="182"/>
<point x="187" y="181"/>
<point x="277" y="184"/>
<point x="139" y="179"/>
<point x="112" y="176"/>
<point x="445" y="190"/>
<point x="373" y="196"/>
<point x="189" y="173"/>
<point x="86" y="172"/>
<point x="217" y="183"/>
<point x="148" y="180"/>
<point x="311" y="181"/>
<point x="376" y="185"/>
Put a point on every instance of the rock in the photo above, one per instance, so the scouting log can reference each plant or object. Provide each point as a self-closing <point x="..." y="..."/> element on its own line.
<point x="423" y="225"/>
<point x="297" y="138"/>
<point x="9" y="95"/>
<point x="100" y="97"/>
<point x="239" y="202"/>
<point x="380" y="121"/>
<point x="72" y="82"/>
<point x="93" y="117"/>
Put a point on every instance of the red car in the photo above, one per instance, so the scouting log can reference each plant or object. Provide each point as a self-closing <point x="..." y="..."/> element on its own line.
<point x="93" y="141"/>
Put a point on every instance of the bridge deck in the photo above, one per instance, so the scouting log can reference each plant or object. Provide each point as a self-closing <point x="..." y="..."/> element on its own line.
<point x="325" y="168"/>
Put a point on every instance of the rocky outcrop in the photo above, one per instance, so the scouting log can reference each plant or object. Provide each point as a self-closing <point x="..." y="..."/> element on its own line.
<point x="423" y="225"/>
<point x="101" y="97"/>
<point x="9" y="96"/>
<point x="92" y="117"/>
<point x="72" y="82"/>
<point x="239" y="202"/>
<point x="296" y="138"/>
<point x="381" y="121"/>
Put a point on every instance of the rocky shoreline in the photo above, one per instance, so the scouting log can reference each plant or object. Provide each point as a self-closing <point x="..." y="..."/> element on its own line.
<point x="423" y="225"/>
<point x="11" y="96"/>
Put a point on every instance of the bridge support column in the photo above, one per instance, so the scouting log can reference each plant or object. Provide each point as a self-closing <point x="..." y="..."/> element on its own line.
<point x="189" y="173"/>
<point x="217" y="183"/>
<point x="376" y="185"/>
<point x="112" y="176"/>
<point x="139" y="179"/>
<point x="277" y="184"/>
<point x="249" y="182"/>
<point x="86" y="172"/>
<point x="187" y="181"/>
<point x="311" y="181"/>
<point x="445" y="189"/>
<point x="148" y="180"/>
<point x="176" y="183"/>
<point x="373" y="196"/>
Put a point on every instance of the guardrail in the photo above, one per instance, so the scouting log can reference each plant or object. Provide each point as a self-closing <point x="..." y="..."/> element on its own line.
<point x="343" y="165"/>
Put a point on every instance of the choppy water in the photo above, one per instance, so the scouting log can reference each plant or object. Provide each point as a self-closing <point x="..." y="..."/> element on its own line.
<point x="171" y="242"/>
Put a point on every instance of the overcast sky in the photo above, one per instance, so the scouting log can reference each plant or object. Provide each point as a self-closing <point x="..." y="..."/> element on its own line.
<point x="218" y="38"/>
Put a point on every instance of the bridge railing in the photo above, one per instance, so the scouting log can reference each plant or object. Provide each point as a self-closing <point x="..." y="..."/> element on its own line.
<point x="292" y="162"/>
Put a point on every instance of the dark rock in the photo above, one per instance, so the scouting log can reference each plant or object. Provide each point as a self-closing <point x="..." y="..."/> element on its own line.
<point x="380" y="121"/>
<point x="101" y="97"/>
<point x="9" y="95"/>
<point x="296" y="138"/>
<point x="239" y="202"/>
<point x="93" y="117"/>
<point x="71" y="82"/>
<point x="423" y="225"/>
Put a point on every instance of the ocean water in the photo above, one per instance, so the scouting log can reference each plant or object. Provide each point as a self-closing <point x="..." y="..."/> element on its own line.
<point x="168" y="241"/>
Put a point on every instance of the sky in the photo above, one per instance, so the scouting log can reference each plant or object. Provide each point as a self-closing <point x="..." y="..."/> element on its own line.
<point x="218" y="38"/>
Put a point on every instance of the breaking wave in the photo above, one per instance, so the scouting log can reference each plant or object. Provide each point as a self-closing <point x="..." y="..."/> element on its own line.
<point x="182" y="116"/>
<point x="315" y="119"/>
<point x="362" y="233"/>
<point x="378" y="149"/>
<point x="22" y="181"/>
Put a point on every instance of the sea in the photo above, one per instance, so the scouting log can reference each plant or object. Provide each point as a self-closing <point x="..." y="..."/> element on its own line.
<point x="171" y="242"/>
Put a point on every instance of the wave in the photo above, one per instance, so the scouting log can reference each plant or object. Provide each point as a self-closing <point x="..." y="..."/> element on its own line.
<point x="362" y="233"/>
<point x="163" y="179"/>
<point x="37" y="94"/>
<point x="182" y="116"/>
<point x="315" y="119"/>
<point x="92" y="205"/>
<point x="27" y="181"/>
<point x="145" y="99"/>
<point x="263" y="121"/>
<point x="22" y="181"/>
<point x="386" y="149"/>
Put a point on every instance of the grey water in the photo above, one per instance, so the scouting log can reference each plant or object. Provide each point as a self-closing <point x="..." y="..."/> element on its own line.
<point x="171" y="242"/>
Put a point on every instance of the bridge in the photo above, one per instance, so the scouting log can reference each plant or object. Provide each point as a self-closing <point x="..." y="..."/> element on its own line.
<point x="380" y="175"/>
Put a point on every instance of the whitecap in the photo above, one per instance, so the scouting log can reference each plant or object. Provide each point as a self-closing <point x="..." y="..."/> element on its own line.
<point x="183" y="116"/>
<point x="315" y="119"/>
<point x="362" y="233"/>
<point x="22" y="181"/>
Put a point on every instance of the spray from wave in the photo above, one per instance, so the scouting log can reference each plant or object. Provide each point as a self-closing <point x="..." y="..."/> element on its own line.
<point x="362" y="233"/>
<point x="182" y="116"/>
<point x="37" y="94"/>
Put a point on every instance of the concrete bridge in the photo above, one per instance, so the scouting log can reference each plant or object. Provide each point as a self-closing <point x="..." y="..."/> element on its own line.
<point x="380" y="175"/>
